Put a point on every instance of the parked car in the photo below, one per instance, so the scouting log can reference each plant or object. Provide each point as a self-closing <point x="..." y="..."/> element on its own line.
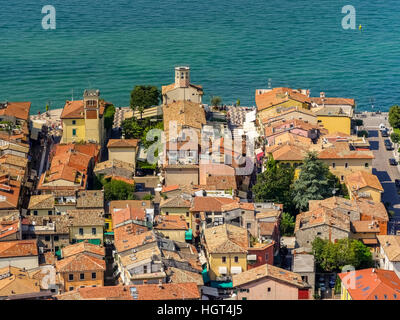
<point x="387" y="142"/>
<point x="389" y="147"/>
<point x="392" y="162"/>
<point x="139" y="187"/>
<point x="384" y="133"/>
<point x="397" y="183"/>
<point x="332" y="281"/>
<point x="140" y="173"/>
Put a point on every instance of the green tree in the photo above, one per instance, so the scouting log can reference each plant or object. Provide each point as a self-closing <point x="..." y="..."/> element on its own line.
<point x="395" y="137"/>
<point x="157" y="125"/>
<point x="143" y="97"/>
<point x="274" y="184"/>
<point x="313" y="182"/>
<point x="132" y="129"/>
<point x="394" y="116"/>
<point x="216" y="101"/>
<point x="148" y="196"/>
<point x="331" y="257"/>
<point x="109" y="116"/>
<point x="287" y="224"/>
<point x="118" y="190"/>
<point x="340" y="188"/>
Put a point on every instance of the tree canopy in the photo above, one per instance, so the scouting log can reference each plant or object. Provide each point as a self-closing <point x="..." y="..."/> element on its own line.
<point x="331" y="257"/>
<point x="143" y="97"/>
<point x="109" y="116"/>
<point x="115" y="189"/>
<point x="216" y="101"/>
<point x="395" y="137"/>
<point x="274" y="184"/>
<point x="314" y="183"/>
<point x="394" y="116"/>
<point x="287" y="224"/>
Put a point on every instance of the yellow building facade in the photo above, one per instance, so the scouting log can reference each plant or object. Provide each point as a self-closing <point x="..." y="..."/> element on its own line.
<point x="83" y="120"/>
<point x="225" y="261"/>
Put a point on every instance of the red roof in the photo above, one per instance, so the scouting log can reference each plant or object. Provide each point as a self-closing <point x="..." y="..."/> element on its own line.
<point x="372" y="284"/>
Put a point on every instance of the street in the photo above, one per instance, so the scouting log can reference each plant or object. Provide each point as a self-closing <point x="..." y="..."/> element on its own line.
<point x="385" y="172"/>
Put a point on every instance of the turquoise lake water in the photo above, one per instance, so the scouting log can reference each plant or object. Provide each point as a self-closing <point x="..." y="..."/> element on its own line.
<point x="232" y="47"/>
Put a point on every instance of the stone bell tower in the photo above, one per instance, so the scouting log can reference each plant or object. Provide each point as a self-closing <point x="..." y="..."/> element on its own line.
<point x="182" y="77"/>
<point x="93" y="125"/>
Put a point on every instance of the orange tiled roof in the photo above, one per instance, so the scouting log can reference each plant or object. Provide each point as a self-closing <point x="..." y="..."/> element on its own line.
<point x="18" y="248"/>
<point x="79" y="263"/>
<point x="322" y="216"/>
<point x="332" y="101"/>
<point x="226" y="238"/>
<point x="170" y="87"/>
<point x="218" y="204"/>
<point x="126" y="240"/>
<point x="170" y="188"/>
<point x="10" y="191"/>
<point x="123" y="143"/>
<point x="82" y="247"/>
<point x="277" y="96"/>
<point x="166" y="291"/>
<point x="376" y="210"/>
<point x="362" y="179"/>
<point x="365" y="226"/>
<point x="268" y="271"/>
<point x="129" y="213"/>
<point x="9" y="227"/>
<point x="172" y="222"/>
<point x="372" y="284"/>
<point x="19" y="110"/>
<point x="341" y="150"/>
<point x="185" y="113"/>
<point x="391" y="246"/>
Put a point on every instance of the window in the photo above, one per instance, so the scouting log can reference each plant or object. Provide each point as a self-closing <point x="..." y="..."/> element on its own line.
<point x="167" y="213"/>
<point x="47" y="238"/>
<point x="346" y="165"/>
<point x="94" y="231"/>
<point x="236" y="259"/>
<point x="197" y="215"/>
<point x="144" y="269"/>
<point x="223" y="259"/>
<point x="333" y="165"/>
<point x="35" y="212"/>
<point x="73" y="122"/>
<point x="28" y="213"/>
<point x="71" y="288"/>
<point x="56" y="238"/>
<point x="74" y="132"/>
<point x="366" y="165"/>
<point x="197" y="227"/>
<point x="318" y="233"/>
<point x="187" y="214"/>
<point x="269" y="289"/>
<point x="107" y="225"/>
<point x="266" y="256"/>
<point x="93" y="275"/>
<point x="304" y="278"/>
<point x="342" y="178"/>
<point x="81" y="231"/>
<point x="50" y="213"/>
<point x="248" y="225"/>
<point x="71" y="277"/>
<point x="82" y="276"/>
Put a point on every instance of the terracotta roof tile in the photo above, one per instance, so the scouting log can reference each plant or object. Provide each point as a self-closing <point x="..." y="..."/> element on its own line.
<point x="362" y="179"/>
<point x="79" y="263"/>
<point x="19" y="248"/>
<point x="391" y="246"/>
<point x="123" y="143"/>
<point x="372" y="284"/>
<point x="226" y="238"/>
<point x="268" y="271"/>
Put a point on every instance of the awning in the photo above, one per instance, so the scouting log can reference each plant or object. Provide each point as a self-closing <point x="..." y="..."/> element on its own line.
<point x="189" y="235"/>
<point x="260" y="156"/>
<point x="222" y="285"/>
<point x="109" y="233"/>
<point x="223" y="270"/>
<point x="252" y="257"/>
<point x="236" y="270"/>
